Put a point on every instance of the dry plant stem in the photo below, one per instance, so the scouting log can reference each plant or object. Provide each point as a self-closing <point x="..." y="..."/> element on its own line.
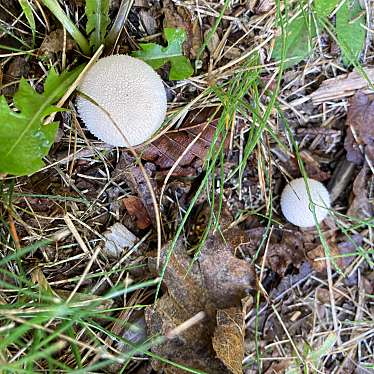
<point x="145" y="175"/>
<point x="288" y="334"/>
<point x="75" y="233"/>
<point x="332" y="299"/>
<point x="83" y="277"/>
<point x="186" y="325"/>
<point x="51" y="331"/>
<point x="13" y="230"/>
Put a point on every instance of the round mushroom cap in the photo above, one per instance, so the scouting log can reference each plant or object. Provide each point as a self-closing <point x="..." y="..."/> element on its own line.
<point x="131" y="92"/>
<point x="295" y="202"/>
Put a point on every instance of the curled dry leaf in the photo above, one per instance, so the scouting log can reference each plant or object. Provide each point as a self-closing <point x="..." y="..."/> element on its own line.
<point x="137" y="210"/>
<point x="215" y="284"/>
<point x="166" y="149"/>
<point x="361" y="207"/>
<point x="342" y="86"/>
<point x="360" y="130"/>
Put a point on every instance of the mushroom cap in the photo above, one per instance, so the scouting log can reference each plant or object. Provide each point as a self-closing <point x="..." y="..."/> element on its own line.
<point x="131" y="92"/>
<point x="295" y="202"/>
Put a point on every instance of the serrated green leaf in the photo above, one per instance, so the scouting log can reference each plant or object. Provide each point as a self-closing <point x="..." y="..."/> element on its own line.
<point x="297" y="43"/>
<point x="323" y="8"/>
<point x="24" y="140"/>
<point x="349" y="30"/>
<point x="156" y="56"/>
<point x="97" y="12"/>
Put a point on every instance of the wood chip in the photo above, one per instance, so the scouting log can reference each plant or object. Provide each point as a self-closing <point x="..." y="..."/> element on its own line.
<point x="118" y="237"/>
<point x="342" y="86"/>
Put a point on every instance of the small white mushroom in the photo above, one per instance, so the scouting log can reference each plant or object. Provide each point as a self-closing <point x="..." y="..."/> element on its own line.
<point x="131" y="92"/>
<point x="295" y="202"/>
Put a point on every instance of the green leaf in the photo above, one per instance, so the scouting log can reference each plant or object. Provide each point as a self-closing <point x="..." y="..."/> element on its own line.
<point x="297" y="43"/>
<point x="157" y="56"/>
<point x="324" y="350"/>
<point x="97" y="12"/>
<point x="24" y="140"/>
<point x="323" y="8"/>
<point x="69" y="25"/>
<point x="27" y="10"/>
<point x="349" y="30"/>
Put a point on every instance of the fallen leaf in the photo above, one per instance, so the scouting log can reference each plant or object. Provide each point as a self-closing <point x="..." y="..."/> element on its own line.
<point x="360" y="130"/>
<point x="179" y="17"/>
<point x="128" y="169"/>
<point x="323" y="295"/>
<point x="361" y="207"/>
<point x="228" y="338"/>
<point x="311" y="164"/>
<point x="137" y="210"/>
<point x="38" y="277"/>
<point x="166" y="149"/>
<point x="215" y="283"/>
<point x="278" y="367"/>
<point x="289" y="250"/>
<point x="18" y="67"/>
<point x="54" y="43"/>
<point x="339" y="254"/>
<point x="264" y="6"/>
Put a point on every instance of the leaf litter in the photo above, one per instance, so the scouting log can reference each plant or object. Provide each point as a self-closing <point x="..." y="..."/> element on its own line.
<point x="103" y="188"/>
<point x="216" y="283"/>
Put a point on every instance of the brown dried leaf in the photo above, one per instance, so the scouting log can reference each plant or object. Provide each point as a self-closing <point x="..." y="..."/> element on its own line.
<point x="166" y="149"/>
<point x="361" y="131"/>
<point x="216" y="281"/>
<point x="54" y="43"/>
<point x="337" y="251"/>
<point x="311" y="164"/>
<point x="128" y="169"/>
<point x="179" y="17"/>
<point x="38" y="277"/>
<point x="361" y="207"/>
<point x="228" y="339"/>
<point x="137" y="210"/>
<point x="290" y="250"/>
<point x="265" y="6"/>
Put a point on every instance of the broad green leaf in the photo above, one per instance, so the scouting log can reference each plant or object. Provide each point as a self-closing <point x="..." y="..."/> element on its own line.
<point x="350" y="31"/>
<point x="323" y="8"/>
<point x="297" y="43"/>
<point x="157" y="56"/>
<point x="24" y="140"/>
<point x="27" y="10"/>
<point x="97" y="12"/>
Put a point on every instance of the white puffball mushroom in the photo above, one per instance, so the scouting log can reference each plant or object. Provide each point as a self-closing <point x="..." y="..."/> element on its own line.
<point x="295" y="202"/>
<point x="131" y="92"/>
